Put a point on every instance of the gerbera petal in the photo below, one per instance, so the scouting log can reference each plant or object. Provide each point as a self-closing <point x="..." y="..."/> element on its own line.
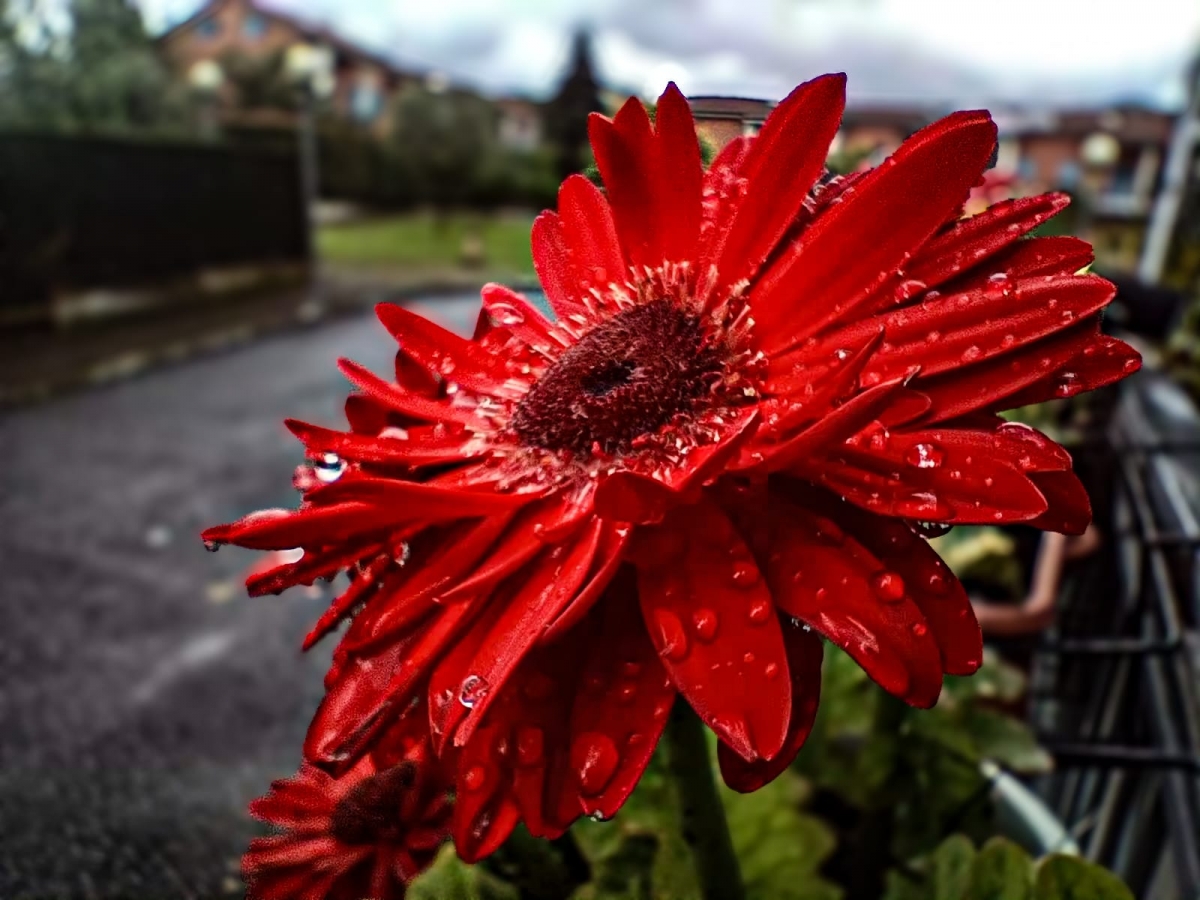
<point x="479" y="838"/>
<point x="324" y="563"/>
<point x="626" y="155"/>
<point x="546" y="591"/>
<point x="824" y="577"/>
<point x="432" y="574"/>
<point x="609" y="559"/>
<point x="1070" y="509"/>
<point x="882" y="218"/>
<point x="420" y="446"/>
<point x="780" y="167"/>
<point x="927" y="581"/>
<point x="804" y="654"/>
<point x="283" y="529"/>
<point x="590" y="234"/>
<point x="679" y="177"/>
<point x="552" y="262"/>
<point x="399" y="399"/>
<point x="1100" y="362"/>
<point x="511" y="310"/>
<point x="622" y="706"/>
<point x="438" y="350"/>
<point x="713" y="622"/>
<point x="416" y="501"/>
<point x="969" y="241"/>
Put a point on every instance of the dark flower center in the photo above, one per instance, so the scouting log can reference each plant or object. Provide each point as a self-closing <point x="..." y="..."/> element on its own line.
<point x="370" y="813"/>
<point x="625" y="378"/>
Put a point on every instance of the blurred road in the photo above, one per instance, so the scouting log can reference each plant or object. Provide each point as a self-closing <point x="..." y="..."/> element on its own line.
<point x="145" y="699"/>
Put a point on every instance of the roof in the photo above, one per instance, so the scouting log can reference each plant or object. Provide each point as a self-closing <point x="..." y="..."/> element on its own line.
<point x="717" y="107"/>
<point x="312" y="31"/>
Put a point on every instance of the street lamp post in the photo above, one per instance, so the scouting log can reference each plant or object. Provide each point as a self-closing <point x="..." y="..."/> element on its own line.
<point x="310" y="69"/>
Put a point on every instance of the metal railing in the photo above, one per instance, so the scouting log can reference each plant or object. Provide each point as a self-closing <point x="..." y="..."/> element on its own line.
<point x="1114" y="690"/>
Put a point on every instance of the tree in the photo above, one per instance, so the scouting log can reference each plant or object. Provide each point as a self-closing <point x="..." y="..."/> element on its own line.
<point x="95" y="69"/>
<point x="567" y="114"/>
<point x="443" y="141"/>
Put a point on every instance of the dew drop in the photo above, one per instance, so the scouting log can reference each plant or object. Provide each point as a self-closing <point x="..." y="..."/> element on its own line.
<point x="971" y="354"/>
<point x="1131" y="365"/>
<point x="704" y="622"/>
<point x="771" y="671"/>
<point x="671" y="635"/>
<point x="626" y="694"/>
<point x="744" y="574"/>
<point x="748" y="658"/>
<point x="930" y="529"/>
<point x="998" y="286"/>
<point x="924" y="456"/>
<point x="760" y="612"/>
<point x="598" y="816"/>
<point x="530" y="745"/>
<point x="474" y="778"/>
<point x="212" y="546"/>
<point x="508" y="315"/>
<point x="888" y="586"/>
<point x="1008" y="340"/>
<point x="938" y="583"/>
<point x="919" y="629"/>
<point x="329" y="468"/>
<point x="631" y="669"/>
<point x="841" y="355"/>
<point x="474" y="688"/>
<point x="933" y="337"/>
<point x="594" y="758"/>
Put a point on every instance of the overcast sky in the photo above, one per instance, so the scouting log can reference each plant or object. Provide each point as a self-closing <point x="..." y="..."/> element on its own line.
<point x="966" y="52"/>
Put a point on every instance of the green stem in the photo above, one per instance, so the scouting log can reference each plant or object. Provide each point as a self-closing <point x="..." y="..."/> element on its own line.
<point x="704" y="827"/>
<point x="539" y="870"/>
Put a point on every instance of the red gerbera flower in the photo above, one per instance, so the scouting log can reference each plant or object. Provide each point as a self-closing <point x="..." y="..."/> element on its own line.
<point x="761" y="385"/>
<point x="365" y="834"/>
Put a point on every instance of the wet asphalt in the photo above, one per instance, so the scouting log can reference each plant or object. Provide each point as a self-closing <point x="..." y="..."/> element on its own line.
<point x="144" y="699"/>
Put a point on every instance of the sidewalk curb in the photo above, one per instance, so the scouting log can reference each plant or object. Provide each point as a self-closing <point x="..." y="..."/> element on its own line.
<point x="310" y="313"/>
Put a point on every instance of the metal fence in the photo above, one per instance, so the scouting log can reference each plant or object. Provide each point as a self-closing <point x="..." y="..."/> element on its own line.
<point x="1115" y="688"/>
<point x="85" y="212"/>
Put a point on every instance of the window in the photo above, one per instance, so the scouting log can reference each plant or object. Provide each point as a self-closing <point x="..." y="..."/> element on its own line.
<point x="366" y="101"/>
<point x="254" y="26"/>
<point x="209" y="28"/>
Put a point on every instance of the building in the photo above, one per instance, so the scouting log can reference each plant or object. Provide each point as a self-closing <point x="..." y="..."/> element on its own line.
<point x="362" y="83"/>
<point x="721" y="119"/>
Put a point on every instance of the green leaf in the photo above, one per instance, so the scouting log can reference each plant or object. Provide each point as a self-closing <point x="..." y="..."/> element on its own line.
<point x="449" y="878"/>
<point x="1070" y="878"/>
<point x="952" y="863"/>
<point x="780" y="848"/>
<point x="1002" y="871"/>
<point x="1007" y="741"/>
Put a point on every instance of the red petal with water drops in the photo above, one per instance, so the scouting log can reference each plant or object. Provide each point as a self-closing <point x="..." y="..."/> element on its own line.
<point x="417" y="501"/>
<point x="307" y="569"/>
<point x="1102" y="361"/>
<point x="714" y="624"/>
<point x="1045" y="257"/>
<point x="621" y="707"/>
<point x="552" y="261"/>
<point x="590" y="234"/>
<point x="417" y="446"/>
<point x="1070" y="509"/>
<point x="482" y="837"/>
<point x="610" y="556"/>
<point x="854" y="247"/>
<point x="281" y="529"/>
<point x="779" y="171"/>
<point x="826" y="578"/>
<point x="441" y="351"/>
<point x="431" y="571"/>
<point x="969" y="241"/>
<point x="367" y="416"/>
<point x="927" y="580"/>
<point x="804" y="654"/>
<point x="401" y="400"/>
<point x="511" y="310"/>
<point x="547" y="589"/>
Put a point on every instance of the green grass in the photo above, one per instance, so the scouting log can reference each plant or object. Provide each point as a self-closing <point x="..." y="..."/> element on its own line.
<point x="421" y="242"/>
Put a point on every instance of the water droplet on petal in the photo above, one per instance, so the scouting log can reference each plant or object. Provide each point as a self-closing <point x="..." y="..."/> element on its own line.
<point x="474" y="688"/>
<point x="998" y="286"/>
<point x="933" y="337"/>
<point x="671" y="636"/>
<point x="744" y="574"/>
<point x="626" y="694"/>
<point x="530" y="745"/>
<point x="508" y="315"/>
<point x="760" y="611"/>
<point x="594" y="758"/>
<point x="329" y="468"/>
<point x="771" y="671"/>
<point x="212" y="546"/>
<point x="598" y="816"/>
<point x="474" y="778"/>
<point x="748" y="658"/>
<point x="888" y="586"/>
<point x="930" y="529"/>
<point x="704" y="622"/>
<point x="971" y="354"/>
<point x="631" y="669"/>
<point x="919" y="629"/>
<point x="924" y="456"/>
<point x="938" y="583"/>
<point x="1131" y="365"/>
